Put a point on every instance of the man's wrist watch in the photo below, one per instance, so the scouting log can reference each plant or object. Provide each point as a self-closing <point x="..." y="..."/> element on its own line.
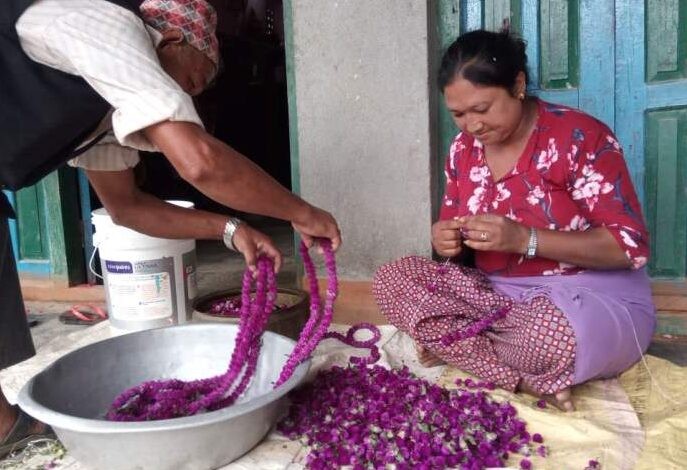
<point x="229" y="230"/>
<point x="532" y="244"/>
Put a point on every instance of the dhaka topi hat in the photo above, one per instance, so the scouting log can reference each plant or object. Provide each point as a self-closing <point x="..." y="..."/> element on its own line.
<point x="196" y="19"/>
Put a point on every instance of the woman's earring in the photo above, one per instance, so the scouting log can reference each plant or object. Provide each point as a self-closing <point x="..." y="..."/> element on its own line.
<point x="521" y="95"/>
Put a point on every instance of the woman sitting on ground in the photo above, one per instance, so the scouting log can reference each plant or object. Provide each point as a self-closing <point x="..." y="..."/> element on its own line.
<point x="541" y="193"/>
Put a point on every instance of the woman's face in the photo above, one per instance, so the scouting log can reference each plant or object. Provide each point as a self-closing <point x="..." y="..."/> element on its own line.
<point x="489" y="113"/>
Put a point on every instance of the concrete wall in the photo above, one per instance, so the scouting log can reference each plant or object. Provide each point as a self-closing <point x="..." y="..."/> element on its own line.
<point x="363" y="119"/>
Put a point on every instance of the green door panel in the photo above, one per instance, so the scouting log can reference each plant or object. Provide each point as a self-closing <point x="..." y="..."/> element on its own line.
<point x="47" y="234"/>
<point x="666" y="191"/>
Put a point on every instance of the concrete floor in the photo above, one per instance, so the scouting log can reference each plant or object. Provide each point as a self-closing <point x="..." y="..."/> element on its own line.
<point x="673" y="349"/>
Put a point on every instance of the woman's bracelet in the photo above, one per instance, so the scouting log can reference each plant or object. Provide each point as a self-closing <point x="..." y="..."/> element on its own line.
<point x="532" y="244"/>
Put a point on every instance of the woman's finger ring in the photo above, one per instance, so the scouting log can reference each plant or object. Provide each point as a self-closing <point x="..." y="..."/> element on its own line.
<point x="483" y="236"/>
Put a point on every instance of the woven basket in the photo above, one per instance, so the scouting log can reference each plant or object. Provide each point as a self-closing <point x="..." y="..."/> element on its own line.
<point x="287" y="321"/>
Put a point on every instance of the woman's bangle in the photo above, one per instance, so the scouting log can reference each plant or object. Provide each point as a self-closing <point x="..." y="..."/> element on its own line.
<point x="532" y="244"/>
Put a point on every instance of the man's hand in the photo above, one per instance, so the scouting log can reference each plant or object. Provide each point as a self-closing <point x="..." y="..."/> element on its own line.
<point x="317" y="223"/>
<point x="251" y="244"/>
<point x="446" y="238"/>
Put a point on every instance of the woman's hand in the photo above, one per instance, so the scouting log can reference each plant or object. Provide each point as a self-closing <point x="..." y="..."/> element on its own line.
<point x="446" y="238"/>
<point x="491" y="232"/>
<point x="252" y="243"/>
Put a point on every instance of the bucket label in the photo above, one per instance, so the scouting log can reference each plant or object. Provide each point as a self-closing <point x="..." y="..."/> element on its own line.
<point x="119" y="267"/>
<point x="190" y="283"/>
<point x="146" y="292"/>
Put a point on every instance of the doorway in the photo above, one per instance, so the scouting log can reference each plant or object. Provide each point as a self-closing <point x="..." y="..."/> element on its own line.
<point x="247" y="109"/>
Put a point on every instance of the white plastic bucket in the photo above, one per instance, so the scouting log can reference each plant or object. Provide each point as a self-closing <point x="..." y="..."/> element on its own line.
<point x="149" y="282"/>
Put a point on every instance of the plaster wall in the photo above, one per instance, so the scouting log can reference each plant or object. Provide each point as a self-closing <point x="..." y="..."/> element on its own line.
<point x="363" y="122"/>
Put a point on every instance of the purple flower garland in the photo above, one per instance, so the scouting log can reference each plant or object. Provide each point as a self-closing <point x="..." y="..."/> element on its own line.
<point x="320" y="319"/>
<point x="475" y="328"/>
<point x="370" y="343"/>
<point x="165" y="399"/>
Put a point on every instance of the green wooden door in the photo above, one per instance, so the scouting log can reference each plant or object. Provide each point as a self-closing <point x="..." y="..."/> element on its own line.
<point x="653" y="96"/>
<point x="622" y="61"/>
<point x="47" y="234"/>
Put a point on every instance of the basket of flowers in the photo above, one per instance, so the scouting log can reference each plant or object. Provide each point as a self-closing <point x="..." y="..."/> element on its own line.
<point x="288" y="317"/>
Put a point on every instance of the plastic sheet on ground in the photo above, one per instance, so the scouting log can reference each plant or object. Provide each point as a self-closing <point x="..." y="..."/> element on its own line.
<point x="627" y="423"/>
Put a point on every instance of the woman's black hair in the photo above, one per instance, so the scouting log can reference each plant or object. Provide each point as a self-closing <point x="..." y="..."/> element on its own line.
<point x="484" y="58"/>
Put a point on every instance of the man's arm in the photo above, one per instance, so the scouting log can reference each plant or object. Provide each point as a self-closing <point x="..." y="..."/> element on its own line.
<point x="226" y="176"/>
<point x="132" y="208"/>
<point x="129" y="206"/>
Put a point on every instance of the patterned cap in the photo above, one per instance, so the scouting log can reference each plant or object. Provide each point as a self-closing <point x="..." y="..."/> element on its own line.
<point x="196" y="19"/>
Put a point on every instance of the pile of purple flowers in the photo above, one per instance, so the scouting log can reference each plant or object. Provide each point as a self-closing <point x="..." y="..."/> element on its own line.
<point x="165" y="399"/>
<point x="226" y="307"/>
<point x="231" y="307"/>
<point x="372" y="417"/>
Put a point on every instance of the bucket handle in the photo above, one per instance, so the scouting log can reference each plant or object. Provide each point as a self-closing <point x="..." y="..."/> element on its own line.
<point x="96" y="245"/>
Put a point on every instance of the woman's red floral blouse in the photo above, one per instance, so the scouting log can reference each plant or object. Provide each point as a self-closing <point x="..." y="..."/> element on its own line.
<point x="571" y="177"/>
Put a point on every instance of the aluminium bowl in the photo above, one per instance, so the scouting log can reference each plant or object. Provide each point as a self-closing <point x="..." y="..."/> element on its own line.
<point x="73" y="394"/>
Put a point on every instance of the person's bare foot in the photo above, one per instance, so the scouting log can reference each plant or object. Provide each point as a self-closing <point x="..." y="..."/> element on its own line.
<point x="8" y="417"/>
<point x="426" y="357"/>
<point x="561" y="400"/>
<point x="36" y="427"/>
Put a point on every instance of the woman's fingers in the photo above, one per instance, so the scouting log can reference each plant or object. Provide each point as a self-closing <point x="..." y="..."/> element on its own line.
<point x="446" y="237"/>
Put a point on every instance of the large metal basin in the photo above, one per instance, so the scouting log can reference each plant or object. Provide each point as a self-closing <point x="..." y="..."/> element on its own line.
<point x="73" y="394"/>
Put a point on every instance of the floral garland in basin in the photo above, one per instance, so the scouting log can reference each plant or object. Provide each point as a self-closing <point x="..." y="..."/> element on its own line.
<point x="165" y="399"/>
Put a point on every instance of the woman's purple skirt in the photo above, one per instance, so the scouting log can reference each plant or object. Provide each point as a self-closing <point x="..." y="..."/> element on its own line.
<point x="611" y="312"/>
